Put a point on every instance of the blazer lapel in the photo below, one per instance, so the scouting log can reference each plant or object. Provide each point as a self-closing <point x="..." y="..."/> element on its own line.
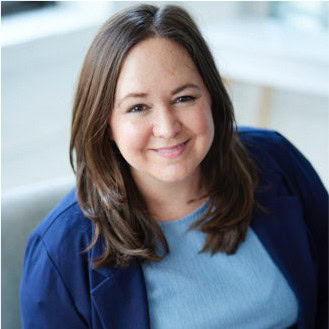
<point x="283" y="234"/>
<point x="120" y="299"/>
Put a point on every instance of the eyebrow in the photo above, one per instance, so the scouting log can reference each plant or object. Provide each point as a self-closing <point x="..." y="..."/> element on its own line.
<point x="187" y="85"/>
<point x="174" y="92"/>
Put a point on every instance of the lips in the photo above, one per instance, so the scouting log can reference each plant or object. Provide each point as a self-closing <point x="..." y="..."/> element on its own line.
<point x="170" y="148"/>
<point x="172" y="151"/>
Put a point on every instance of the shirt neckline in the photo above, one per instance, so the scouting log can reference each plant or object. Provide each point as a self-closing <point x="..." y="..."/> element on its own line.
<point x="194" y="215"/>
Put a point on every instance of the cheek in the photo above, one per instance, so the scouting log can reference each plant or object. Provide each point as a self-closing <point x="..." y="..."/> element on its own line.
<point x="203" y="123"/>
<point x="130" y="136"/>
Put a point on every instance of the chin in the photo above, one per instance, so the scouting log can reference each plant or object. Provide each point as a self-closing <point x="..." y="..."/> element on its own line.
<point x="176" y="176"/>
<point x="172" y="179"/>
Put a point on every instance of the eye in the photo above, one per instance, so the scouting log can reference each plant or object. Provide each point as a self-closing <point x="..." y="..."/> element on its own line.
<point x="136" y="108"/>
<point x="184" y="99"/>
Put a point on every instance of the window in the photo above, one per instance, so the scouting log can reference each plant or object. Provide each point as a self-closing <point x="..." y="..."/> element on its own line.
<point x="303" y="14"/>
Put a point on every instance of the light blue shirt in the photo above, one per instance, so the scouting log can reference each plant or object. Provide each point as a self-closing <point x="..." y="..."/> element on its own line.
<point x="187" y="290"/>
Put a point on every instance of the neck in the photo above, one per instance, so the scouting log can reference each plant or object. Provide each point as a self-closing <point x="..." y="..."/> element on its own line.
<point x="170" y="201"/>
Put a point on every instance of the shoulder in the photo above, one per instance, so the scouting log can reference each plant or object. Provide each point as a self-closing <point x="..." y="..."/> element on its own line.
<point x="65" y="231"/>
<point x="273" y="152"/>
<point x="55" y="276"/>
<point x="258" y="134"/>
<point x="278" y="159"/>
<point x="262" y="142"/>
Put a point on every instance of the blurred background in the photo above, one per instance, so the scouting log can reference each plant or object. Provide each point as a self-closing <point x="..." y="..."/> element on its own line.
<point x="273" y="56"/>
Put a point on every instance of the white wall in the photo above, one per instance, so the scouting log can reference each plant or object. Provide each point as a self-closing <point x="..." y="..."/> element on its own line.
<point x="38" y="82"/>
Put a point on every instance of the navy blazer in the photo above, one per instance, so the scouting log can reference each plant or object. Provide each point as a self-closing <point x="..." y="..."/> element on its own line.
<point x="59" y="288"/>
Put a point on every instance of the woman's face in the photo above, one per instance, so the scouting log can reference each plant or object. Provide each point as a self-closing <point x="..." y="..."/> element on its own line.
<point x="162" y="121"/>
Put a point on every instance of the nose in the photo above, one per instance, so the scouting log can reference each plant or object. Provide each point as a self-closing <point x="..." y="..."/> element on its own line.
<point x="166" y="124"/>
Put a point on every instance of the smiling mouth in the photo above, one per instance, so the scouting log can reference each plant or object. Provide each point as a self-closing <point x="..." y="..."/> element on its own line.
<point x="170" y="152"/>
<point x="171" y="148"/>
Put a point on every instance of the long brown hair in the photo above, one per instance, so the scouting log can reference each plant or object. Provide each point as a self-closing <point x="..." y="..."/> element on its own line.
<point x="106" y="191"/>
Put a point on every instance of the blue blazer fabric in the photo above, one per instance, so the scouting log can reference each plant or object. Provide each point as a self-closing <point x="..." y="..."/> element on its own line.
<point x="60" y="289"/>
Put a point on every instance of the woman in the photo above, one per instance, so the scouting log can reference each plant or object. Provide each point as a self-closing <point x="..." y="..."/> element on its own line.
<point x="156" y="152"/>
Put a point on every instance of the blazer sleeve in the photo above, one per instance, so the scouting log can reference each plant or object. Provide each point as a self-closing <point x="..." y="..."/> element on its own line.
<point x="45" y="301"/>
<point x="314" y="196"/>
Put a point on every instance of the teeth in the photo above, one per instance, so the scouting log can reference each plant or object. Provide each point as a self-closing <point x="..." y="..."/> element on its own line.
<point x="171" y="150"/>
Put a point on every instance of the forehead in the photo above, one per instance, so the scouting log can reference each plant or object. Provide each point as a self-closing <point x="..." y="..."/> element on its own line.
<point x="156" y="62"/>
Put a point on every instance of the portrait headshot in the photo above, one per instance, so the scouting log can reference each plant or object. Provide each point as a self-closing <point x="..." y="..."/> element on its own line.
<point x="165" y="165"/>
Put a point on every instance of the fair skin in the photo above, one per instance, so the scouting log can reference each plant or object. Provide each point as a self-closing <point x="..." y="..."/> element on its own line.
<point x="163" y="126"/>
